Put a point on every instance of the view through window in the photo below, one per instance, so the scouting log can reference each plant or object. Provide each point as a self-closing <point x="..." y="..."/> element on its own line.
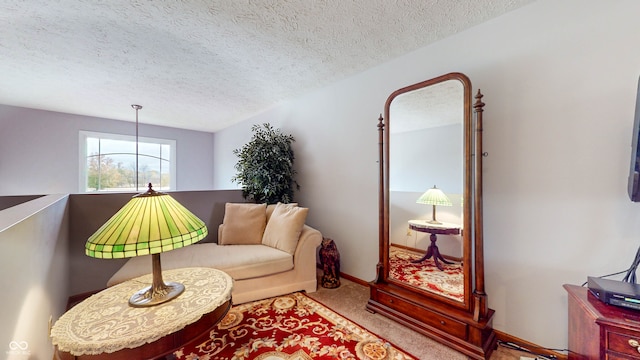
<point x="109" y="162"/>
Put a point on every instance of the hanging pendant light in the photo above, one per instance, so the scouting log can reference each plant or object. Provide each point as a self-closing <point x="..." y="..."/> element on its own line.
<point x="149" y="224"/>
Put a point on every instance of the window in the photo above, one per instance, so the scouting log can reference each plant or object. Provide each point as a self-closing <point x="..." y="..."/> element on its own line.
<point x="108" y="162"/>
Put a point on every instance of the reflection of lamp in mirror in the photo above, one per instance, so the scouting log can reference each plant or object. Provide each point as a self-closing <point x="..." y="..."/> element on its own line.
<point x="434" y="196"/>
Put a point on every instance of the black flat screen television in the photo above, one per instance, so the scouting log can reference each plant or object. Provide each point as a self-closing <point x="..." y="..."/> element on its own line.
<point x="634" y="171"/>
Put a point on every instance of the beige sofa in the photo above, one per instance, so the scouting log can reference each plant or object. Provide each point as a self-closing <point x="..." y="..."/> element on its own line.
<point x="266" y="258"/>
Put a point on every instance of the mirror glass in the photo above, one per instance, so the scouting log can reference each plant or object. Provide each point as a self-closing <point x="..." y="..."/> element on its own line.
<point x="425" y="150"/>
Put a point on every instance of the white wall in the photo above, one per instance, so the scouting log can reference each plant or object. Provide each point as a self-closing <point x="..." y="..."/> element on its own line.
<point x="559" y="79"/>
<point x="35" y="275"/>
<point x="424" y="158"/>
<point x="39" y="151"/>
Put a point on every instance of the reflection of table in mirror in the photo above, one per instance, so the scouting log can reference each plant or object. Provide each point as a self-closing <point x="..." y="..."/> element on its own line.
<point x="434" y="229"/>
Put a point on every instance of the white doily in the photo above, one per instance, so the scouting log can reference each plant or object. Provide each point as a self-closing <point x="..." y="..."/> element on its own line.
<point x="105" y="323"/>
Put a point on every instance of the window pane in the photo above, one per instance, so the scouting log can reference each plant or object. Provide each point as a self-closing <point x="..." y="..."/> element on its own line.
<point x="111" y="163"/>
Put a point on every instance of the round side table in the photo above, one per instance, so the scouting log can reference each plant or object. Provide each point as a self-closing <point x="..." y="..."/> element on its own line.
<point x="434" y="230"/>
<point x="104" y="326"/>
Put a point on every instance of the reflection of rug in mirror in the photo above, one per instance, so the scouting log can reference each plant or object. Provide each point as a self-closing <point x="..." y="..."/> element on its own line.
<point x="426" y="275"/>
<point x="291" y="327"/>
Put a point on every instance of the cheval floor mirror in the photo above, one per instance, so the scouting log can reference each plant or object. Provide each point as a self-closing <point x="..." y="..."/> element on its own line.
<point x="430" y="274"/>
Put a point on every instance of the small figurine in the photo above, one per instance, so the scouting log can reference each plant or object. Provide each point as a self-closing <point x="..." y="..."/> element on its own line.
<point x="330" y="261"/>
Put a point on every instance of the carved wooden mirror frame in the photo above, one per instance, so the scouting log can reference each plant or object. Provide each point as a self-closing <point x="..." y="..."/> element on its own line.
<point x="463" y="325"/>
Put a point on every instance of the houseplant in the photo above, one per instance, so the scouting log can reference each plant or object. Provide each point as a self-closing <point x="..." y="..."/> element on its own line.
<point x="265" y="166"/>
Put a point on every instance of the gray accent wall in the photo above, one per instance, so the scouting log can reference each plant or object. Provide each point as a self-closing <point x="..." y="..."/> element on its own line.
<point x="9" y="201"/>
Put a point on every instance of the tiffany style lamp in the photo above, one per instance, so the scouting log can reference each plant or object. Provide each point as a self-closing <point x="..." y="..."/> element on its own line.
<point x="149" y="224"/>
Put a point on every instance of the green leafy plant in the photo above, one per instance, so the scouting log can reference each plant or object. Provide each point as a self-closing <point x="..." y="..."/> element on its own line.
<point x="265" y="166"/>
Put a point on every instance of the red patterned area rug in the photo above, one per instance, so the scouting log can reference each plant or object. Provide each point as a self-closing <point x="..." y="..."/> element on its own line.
<point x="425" y="274"/>
<point x="291" y="327"/>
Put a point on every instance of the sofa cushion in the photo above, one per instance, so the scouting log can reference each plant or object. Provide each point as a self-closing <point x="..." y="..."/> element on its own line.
<point x="272" y="207"/>
<point x="243" y="224"/>
<point x="239" y="261"/>
<point x="284" y="227"/>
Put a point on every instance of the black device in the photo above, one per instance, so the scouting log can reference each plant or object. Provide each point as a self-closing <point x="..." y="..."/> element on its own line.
<point x="615" y="292"/>
<point x="633" y="186"/>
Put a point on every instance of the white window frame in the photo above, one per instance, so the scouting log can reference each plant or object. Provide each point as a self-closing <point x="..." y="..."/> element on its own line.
<point x="83" y="135"/>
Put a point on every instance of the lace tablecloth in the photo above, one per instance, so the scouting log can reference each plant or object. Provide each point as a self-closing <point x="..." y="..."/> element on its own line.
<point x="105" y="323"/>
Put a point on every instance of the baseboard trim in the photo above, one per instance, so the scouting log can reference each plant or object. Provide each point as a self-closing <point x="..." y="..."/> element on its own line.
<point x="501" y="336"/>
<point x="354" y="279"/>
<point x="537" y="349"/>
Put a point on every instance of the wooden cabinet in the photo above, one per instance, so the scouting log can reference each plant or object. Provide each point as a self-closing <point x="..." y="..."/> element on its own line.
<point x="601" y="331"/>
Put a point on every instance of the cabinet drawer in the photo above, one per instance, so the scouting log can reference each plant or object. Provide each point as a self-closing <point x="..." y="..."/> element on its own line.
<point x="624" y="343"/>
<point x="433" y="319"/>
<point x="613" y="356"/>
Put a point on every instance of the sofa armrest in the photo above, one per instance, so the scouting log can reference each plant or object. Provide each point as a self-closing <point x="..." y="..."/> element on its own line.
<point x="304" y="258"/>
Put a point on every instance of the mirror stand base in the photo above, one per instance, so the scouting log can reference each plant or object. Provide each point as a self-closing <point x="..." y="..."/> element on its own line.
<point x="452" y="327"/>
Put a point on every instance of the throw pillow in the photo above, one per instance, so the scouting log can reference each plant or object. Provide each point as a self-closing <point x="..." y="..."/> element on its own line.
<point x="272" y="207"/>
<point x="284" y="227"/>
<point x="243" y="224"/>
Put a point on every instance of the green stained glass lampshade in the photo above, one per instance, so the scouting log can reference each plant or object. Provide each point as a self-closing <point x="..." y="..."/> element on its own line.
<point x="434" y="196"/>
<point x="150" y="223"/>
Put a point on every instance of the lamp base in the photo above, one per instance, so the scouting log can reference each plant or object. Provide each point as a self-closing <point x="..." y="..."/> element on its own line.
<point x="150" y="296"/>
<point x="435" y="222"/>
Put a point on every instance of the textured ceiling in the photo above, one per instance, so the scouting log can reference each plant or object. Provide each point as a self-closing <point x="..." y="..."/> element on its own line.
<point x="206" y="64"/>
<point x="439" y="104"/>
